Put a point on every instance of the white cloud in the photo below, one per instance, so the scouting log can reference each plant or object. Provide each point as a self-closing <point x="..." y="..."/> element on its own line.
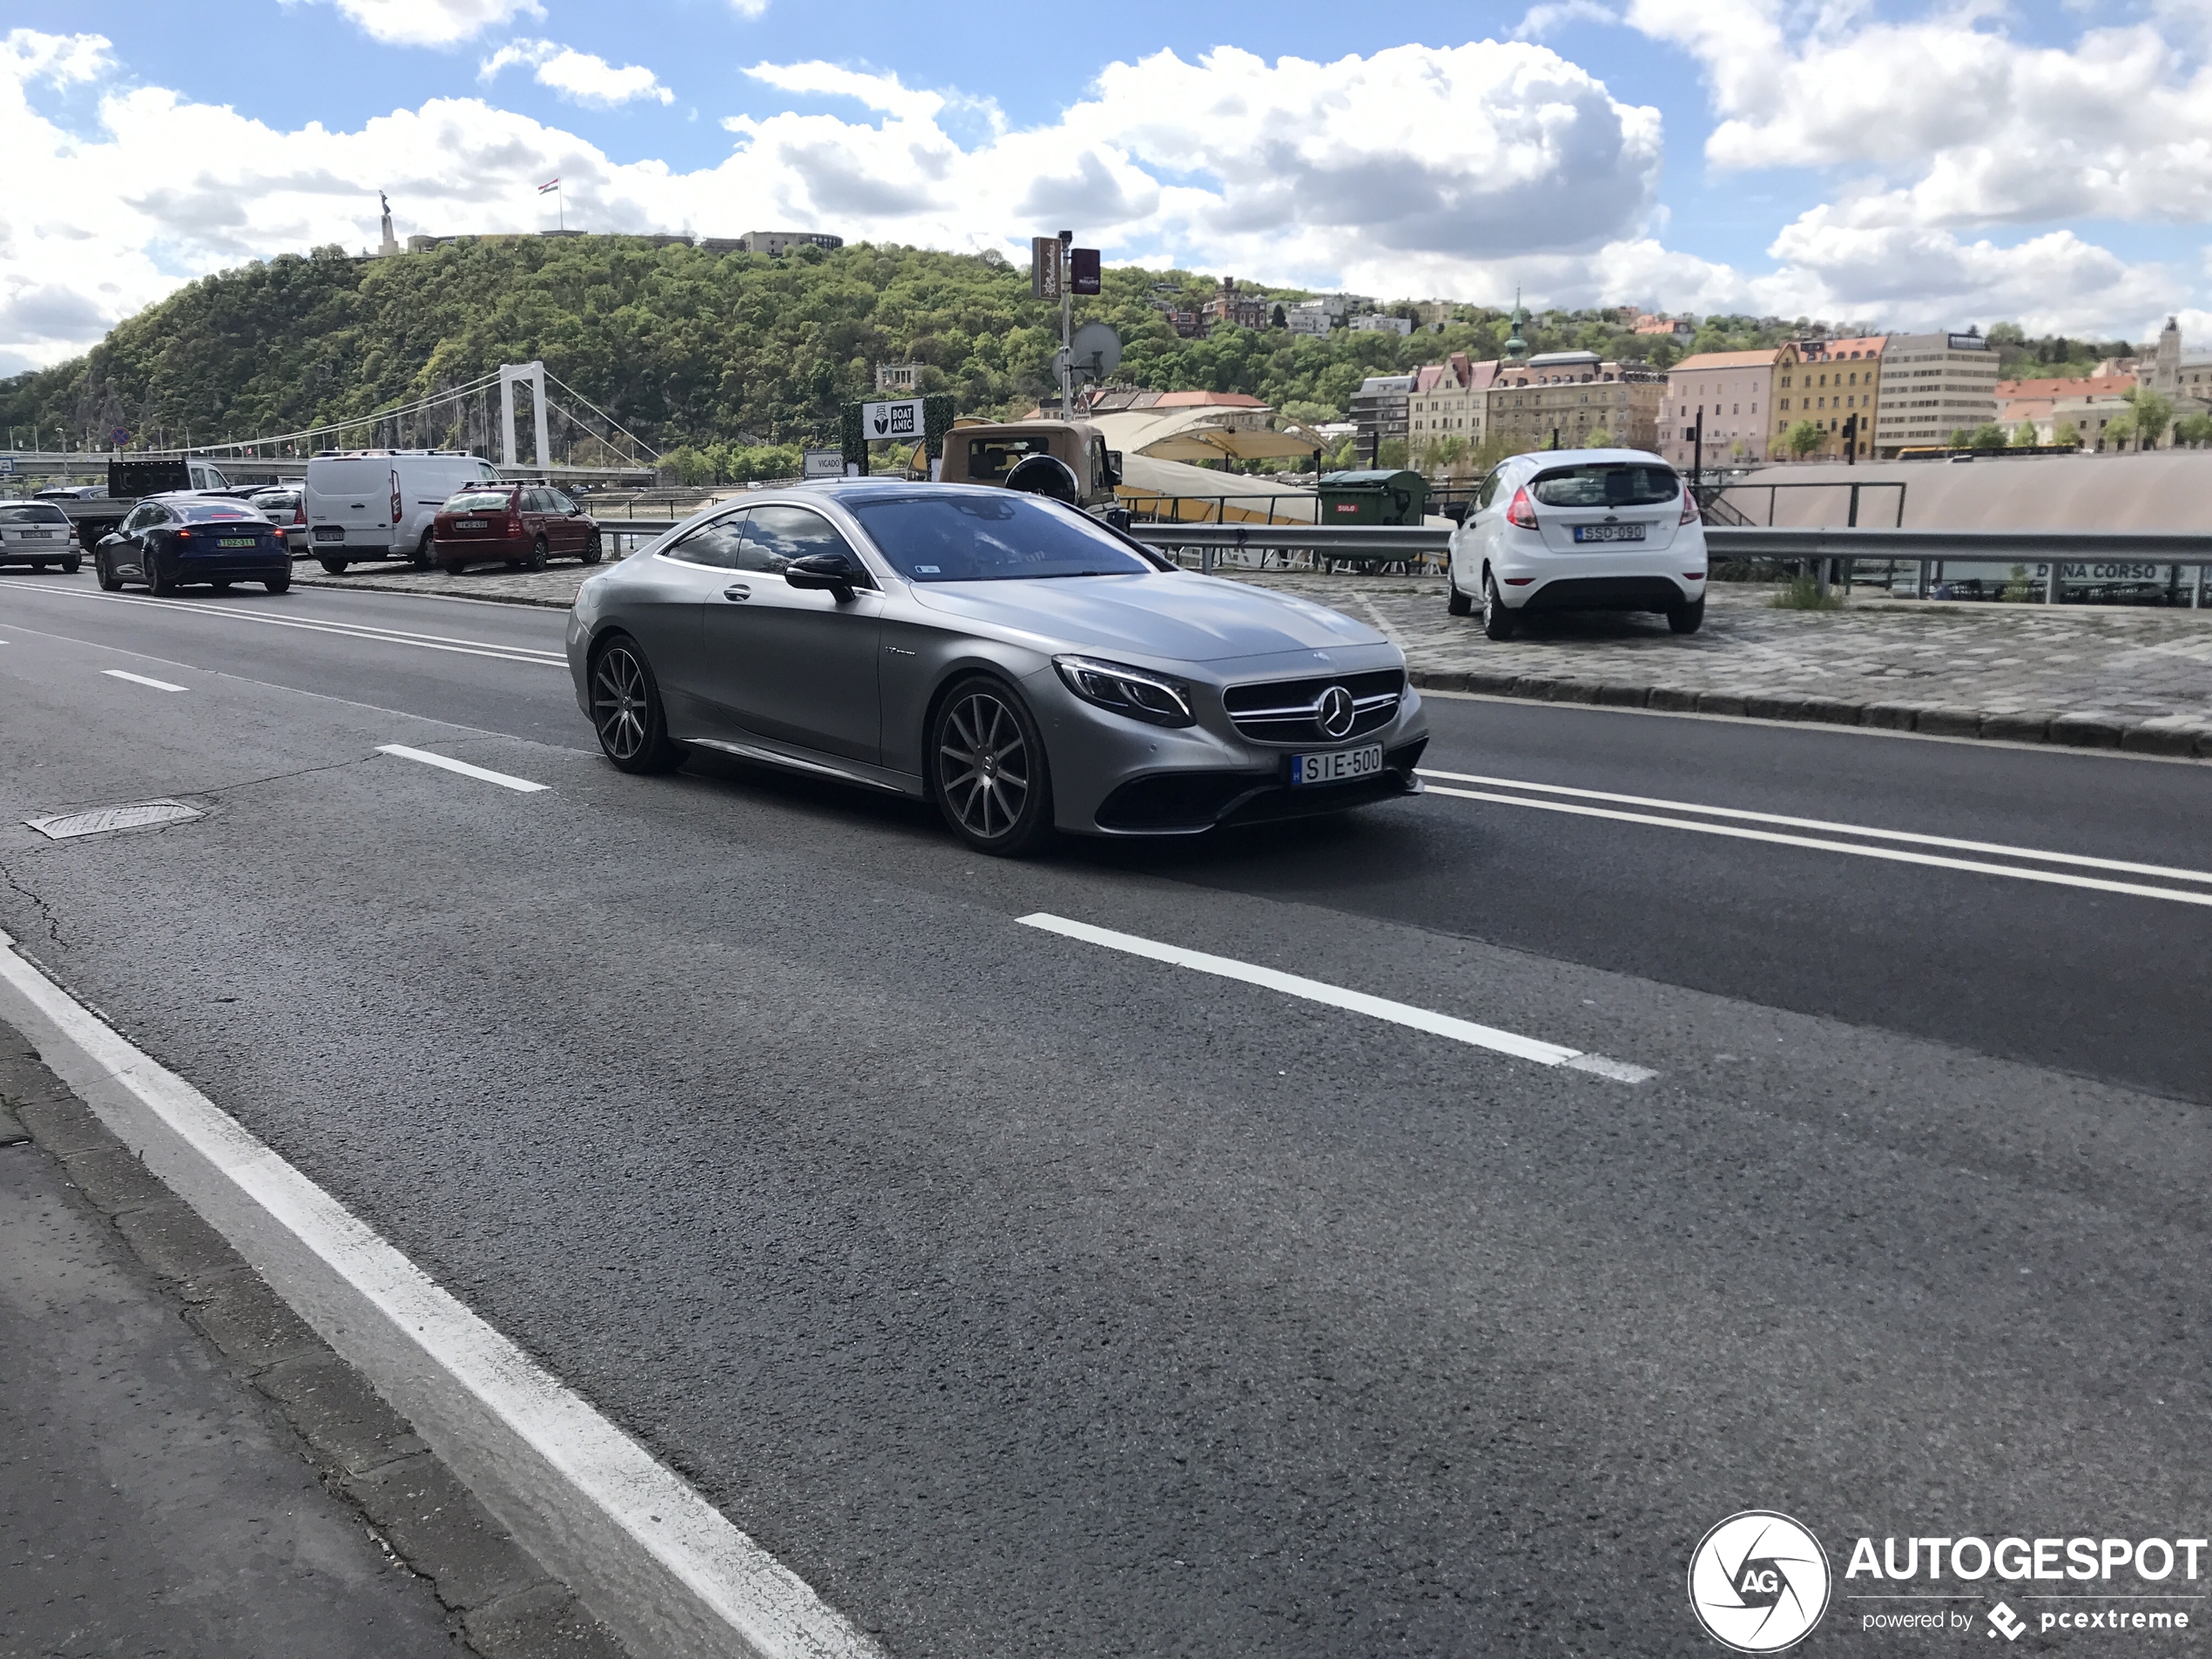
<point x="1947" y="120"/>
<point x="1540" y="20"/>
<point x="1410" y="171"/>
<point x="580" y="77"/>
<point x="749" y="9"/>
<point x="434" y="22"/>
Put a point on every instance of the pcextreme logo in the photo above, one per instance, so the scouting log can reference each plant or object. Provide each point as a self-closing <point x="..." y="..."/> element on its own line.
<point x="1758" y="1582"/>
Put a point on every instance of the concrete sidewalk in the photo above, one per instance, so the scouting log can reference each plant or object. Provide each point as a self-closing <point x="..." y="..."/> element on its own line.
<point x="2097" y="677"/>
<point x="185" y="1468"/>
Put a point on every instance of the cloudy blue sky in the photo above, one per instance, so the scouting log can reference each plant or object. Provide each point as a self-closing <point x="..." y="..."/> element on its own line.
<point x="1903" y="164"/>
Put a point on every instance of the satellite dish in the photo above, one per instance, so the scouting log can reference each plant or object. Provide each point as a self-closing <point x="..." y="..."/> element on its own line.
<point x="1096" y="350"/>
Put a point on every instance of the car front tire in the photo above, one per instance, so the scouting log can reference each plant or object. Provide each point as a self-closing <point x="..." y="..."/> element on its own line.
<point x="988" y="766"/>
<point x="626" y="709"/>
<point x="1686" y="619"/>
<point x="593" y="548"/>
<point x="1497" y="621"/>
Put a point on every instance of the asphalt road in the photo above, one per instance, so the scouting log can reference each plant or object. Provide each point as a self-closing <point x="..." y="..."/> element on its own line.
<point x="1030" y="1298"/>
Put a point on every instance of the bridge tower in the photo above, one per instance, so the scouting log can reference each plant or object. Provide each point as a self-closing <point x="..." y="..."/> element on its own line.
<point x="533" y="376"/>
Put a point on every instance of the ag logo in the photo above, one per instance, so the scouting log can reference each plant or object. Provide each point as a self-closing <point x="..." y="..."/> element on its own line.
<point x="1758" y="1582"/>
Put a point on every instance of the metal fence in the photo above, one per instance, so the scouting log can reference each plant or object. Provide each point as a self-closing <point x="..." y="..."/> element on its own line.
<point x="2167" y="566"/>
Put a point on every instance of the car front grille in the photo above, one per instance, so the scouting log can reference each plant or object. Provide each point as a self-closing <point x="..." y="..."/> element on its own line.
<point x="1290" y="711"/>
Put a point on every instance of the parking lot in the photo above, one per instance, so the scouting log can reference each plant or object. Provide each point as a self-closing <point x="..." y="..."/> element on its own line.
<point x="1009" y="1254"/>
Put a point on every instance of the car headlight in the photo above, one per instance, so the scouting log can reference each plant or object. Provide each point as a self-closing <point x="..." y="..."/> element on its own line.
<point x="1126" y="691"/>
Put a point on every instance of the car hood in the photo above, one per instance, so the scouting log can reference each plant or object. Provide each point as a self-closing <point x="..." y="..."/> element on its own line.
<point x="1190" y="619"/>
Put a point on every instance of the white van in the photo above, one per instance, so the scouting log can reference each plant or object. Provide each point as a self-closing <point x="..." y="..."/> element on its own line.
<point x="378" y="503"/>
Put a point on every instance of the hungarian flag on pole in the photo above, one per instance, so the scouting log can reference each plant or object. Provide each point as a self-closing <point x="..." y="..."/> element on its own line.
<point x="550" y="184"/>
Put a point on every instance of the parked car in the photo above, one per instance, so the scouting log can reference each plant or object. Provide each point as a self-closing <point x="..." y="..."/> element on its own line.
<point x="169" y="542"/>
<point x="73" y="492"/>
<point x="378" y="503"/>
<point x="1011" y="658"/>
<point x="37" y="533"/>
<point x="1580" y="529"/>
<point x="286" y="508"/>
<point x="520" y="525"/>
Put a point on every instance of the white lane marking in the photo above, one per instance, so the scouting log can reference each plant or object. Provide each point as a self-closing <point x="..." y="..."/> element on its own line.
<point x="523" y="784"/>
<point x="368" y="632"/>
<point x="2078" y="859"/>
<point x="591" y="1491"/>
<point x="1894" y="854"/>
<point x="1311" y="990"/>
<point x="139" y="679"/>
<point x="1382" y="626"/>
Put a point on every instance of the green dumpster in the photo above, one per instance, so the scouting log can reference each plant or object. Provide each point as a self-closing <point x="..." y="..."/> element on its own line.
<point x="1374" y="497"/>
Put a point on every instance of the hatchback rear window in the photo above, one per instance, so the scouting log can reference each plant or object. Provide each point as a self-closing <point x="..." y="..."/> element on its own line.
<point x="1606" y="483"/>
<point x="479" y="501"/>
<point x="32" y="513"/>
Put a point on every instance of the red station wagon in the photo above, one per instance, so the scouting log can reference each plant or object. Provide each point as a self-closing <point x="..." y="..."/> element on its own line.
<point x="520" y="525"/>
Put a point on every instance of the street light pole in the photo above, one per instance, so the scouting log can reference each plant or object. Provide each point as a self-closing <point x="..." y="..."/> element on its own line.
<point x="1067" y="328"/>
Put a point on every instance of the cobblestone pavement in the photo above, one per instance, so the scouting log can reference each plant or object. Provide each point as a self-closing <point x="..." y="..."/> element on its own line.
<point x="2104" y="677"/>
<point x="2107" y="677"/>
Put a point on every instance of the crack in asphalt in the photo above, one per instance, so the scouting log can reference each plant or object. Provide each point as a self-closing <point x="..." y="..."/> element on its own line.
<point x="45" y="914"/>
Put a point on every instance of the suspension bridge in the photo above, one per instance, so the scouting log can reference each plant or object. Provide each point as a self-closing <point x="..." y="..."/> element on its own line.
<point x="571" y="438"/>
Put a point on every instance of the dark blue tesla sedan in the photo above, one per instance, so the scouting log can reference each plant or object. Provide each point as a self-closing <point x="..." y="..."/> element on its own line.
<point x="168" y="540"/>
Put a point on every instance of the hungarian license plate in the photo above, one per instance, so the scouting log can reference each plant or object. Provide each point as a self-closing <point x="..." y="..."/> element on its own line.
<point x="330" y="532"/>
<point x="238" y="541"/>
<point x="1341" y="767"/>
<point x="1608" y="532"/>
<point x="467" y="523"/>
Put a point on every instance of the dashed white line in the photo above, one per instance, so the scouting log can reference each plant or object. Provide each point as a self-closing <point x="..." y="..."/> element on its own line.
<point x="1379" y="1007"/>
<point x="447" y="762"/>
<point x="139" y="679"/>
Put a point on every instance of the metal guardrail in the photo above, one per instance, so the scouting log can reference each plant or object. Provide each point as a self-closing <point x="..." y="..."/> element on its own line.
<point x="2048" y="552"/>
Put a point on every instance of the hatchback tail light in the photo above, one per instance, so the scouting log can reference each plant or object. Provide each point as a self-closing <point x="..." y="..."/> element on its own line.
<point x="514" y="523"/>
<point x="1521" y="514"/>
<point x="300" y="515"/>
<point x="1689" y="506"/>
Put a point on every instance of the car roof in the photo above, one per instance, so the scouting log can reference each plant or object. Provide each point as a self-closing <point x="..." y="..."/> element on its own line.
<point x="1571" y="457"/>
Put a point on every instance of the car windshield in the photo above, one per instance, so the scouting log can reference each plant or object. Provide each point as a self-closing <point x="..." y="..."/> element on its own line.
<point x="1607" y="483"/>
<point x="197" y="512"/>
<point x="32" y="513"/>
<point x="479" y="501"/>
<point x="990" y="538"/>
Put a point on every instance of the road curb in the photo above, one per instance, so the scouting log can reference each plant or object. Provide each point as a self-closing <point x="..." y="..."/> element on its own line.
<point x="2178" y="737"/>
<point x="375" y="585"/>
<point x="531" y="1492"/>
<point x="346" y="1430"/>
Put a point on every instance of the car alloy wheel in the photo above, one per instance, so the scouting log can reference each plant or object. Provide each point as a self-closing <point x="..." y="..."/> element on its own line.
<point x="425" y="554"/>
<point x="536" y="560"/>
<point x="1497" y="621"/>
<point x="990" y="769"/>
<point x="109" y="581"/>
<point x="626" y="711"/>
<point x="593" y="548"/>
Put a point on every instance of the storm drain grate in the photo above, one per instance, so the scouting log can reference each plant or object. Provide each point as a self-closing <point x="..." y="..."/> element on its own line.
<point x="64" y="825"/>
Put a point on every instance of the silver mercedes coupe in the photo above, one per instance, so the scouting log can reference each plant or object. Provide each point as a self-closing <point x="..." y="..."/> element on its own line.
<point x="1009" y="657"/>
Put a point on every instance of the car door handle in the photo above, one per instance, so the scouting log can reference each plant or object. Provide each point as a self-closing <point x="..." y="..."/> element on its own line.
<point x="737" y="590"/>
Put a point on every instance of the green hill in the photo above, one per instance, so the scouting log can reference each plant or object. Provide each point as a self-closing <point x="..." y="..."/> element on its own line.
<point x="684" y="346"/>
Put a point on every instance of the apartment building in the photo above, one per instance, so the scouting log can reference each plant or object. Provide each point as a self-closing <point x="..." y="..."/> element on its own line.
<point x="1572" y="397"/>
<point x="1378" y="410"/>
<point x="1449" y="400"/>
<point x="2086" y="405"/>
<point x="1731" y="392"/>
<point x="1827" y="382"/>
<point x="1931" y="386"/>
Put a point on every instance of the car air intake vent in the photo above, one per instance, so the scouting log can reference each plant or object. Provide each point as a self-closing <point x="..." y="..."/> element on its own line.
<point x="1298" y="711"/>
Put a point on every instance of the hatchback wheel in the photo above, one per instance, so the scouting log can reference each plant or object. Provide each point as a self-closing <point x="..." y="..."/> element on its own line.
<point x="536" y="560"/>
<point x="1685" y="619"/>
<point x="453" y="567"/>
<point x="993" y="784"/>
<point x="1455" y="602"/>
<point x="332" y="567"/>
<point x="1497" y="621"/>
<point x="592" y="548"/>
<point x="626" y="709"/>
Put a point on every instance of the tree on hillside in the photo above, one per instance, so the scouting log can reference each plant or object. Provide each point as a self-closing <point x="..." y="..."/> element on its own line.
<point x="2025" y="436"/>
<point x="1804" y="438"/>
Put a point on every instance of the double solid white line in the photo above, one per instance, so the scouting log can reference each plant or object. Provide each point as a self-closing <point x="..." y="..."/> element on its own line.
<point x="1737" y="823"/>
<point x="368" y="632"/>
<point x="1335" y="996"/>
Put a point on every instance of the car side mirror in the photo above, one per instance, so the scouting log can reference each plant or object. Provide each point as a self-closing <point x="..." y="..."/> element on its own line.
<point x="1454" y="510"/>
<point x="1113" y="468"/>
<point x="832" y="573"/>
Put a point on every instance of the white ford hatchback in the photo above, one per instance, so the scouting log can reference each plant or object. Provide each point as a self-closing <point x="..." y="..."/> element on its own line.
<point x="1580" y="530"/>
